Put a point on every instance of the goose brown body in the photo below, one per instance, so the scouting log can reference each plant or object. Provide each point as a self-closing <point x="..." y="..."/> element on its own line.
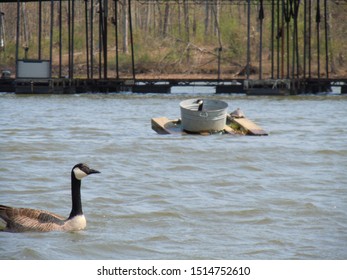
<point x="27" y="219"/>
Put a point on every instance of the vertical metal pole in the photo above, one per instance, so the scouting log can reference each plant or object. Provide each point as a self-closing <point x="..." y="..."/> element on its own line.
<point x="219" y="50"/>
<point x="105" y="13"/>
<point x="91" y="39"/>
<point x="282" y="19"/>
<point x="326" y="39"/>
<point x="296" y="15"/>
<point x="305" y="37"/>
<point x="40" y="30"/>
<point x="72" y="38"/>
<point x="309" y="36"/>
<point x="116" y="35"/>
<point x="131" y="40"/>
<point x="272" y="36"/>
<point x="17" y="36"/>
<point x="318" y="19"/>
<point x="100" y="36"/>
<point x="288" y="49"/>
<point x="297" y="46"/>
<point x="87" y="37"/>
<point x="293" y="51"/>
<point x="248" y="38"/>
<point x="282" y="43"/>
<point x="51" y="40"/>
<point x="287" y="16"/>
<point x="261" y="18"/>
<point x="69" y="36"/>
<point x="60" y="38"/>
<point x="279" y="34"/>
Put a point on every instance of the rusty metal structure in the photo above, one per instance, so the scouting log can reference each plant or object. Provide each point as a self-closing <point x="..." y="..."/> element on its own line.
<point x="290" y="64"/>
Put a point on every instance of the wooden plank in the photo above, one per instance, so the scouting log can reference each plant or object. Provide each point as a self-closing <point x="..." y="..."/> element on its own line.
<point x="229" y="130"/>
<point x="163" y="125"/>
<point x="250" y="127"/>
<point x="158" y="125"/>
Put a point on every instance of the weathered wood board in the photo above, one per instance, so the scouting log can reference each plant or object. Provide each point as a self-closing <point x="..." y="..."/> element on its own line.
<point x="250" y="127"/>
<point x="163" y="125"/>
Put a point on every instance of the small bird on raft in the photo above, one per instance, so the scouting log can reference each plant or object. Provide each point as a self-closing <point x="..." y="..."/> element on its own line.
<point x="201" y="104"/>
<point x="26" y="219"/>
<point x="237" y="114"/>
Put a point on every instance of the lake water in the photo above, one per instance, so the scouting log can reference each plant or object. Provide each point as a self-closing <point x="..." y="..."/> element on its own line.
<point x="283" y="196"/>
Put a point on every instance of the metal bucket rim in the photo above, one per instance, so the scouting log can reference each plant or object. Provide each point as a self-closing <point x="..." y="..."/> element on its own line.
<point x="190" y="102"/>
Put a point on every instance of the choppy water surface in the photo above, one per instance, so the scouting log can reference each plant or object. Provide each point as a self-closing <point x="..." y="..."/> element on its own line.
<point x="177" y="197"/>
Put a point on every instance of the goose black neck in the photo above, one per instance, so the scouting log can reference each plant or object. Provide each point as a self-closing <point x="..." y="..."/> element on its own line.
<point x="76" y="197"/>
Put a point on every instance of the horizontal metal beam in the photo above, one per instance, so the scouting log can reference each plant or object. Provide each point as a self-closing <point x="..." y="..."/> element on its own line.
<point x="24" y="1"/>
<point x="228" y="2"/>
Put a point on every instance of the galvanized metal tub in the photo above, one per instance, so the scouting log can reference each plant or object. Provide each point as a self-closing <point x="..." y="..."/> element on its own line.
<point x="211" y="118"/>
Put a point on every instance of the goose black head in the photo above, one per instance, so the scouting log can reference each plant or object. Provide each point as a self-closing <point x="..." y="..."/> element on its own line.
<point x="82" y="170"/>
<point x="201" y="103"/>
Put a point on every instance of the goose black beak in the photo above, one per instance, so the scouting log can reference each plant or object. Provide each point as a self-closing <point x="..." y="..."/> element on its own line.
<point x="93" y="171"/>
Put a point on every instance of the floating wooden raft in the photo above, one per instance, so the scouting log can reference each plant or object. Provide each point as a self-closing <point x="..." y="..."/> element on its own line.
<point x="234" y="126"/>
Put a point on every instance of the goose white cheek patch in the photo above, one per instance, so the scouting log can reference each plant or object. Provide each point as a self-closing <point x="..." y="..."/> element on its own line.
<point x="79" y="173"/>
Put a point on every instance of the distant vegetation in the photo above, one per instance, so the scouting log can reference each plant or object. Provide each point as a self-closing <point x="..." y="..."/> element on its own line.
<point x="180" y="37"/>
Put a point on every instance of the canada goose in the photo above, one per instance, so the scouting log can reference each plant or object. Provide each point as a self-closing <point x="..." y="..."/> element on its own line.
<point x="201" y="104"/>
<point x="25" y="219"/>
